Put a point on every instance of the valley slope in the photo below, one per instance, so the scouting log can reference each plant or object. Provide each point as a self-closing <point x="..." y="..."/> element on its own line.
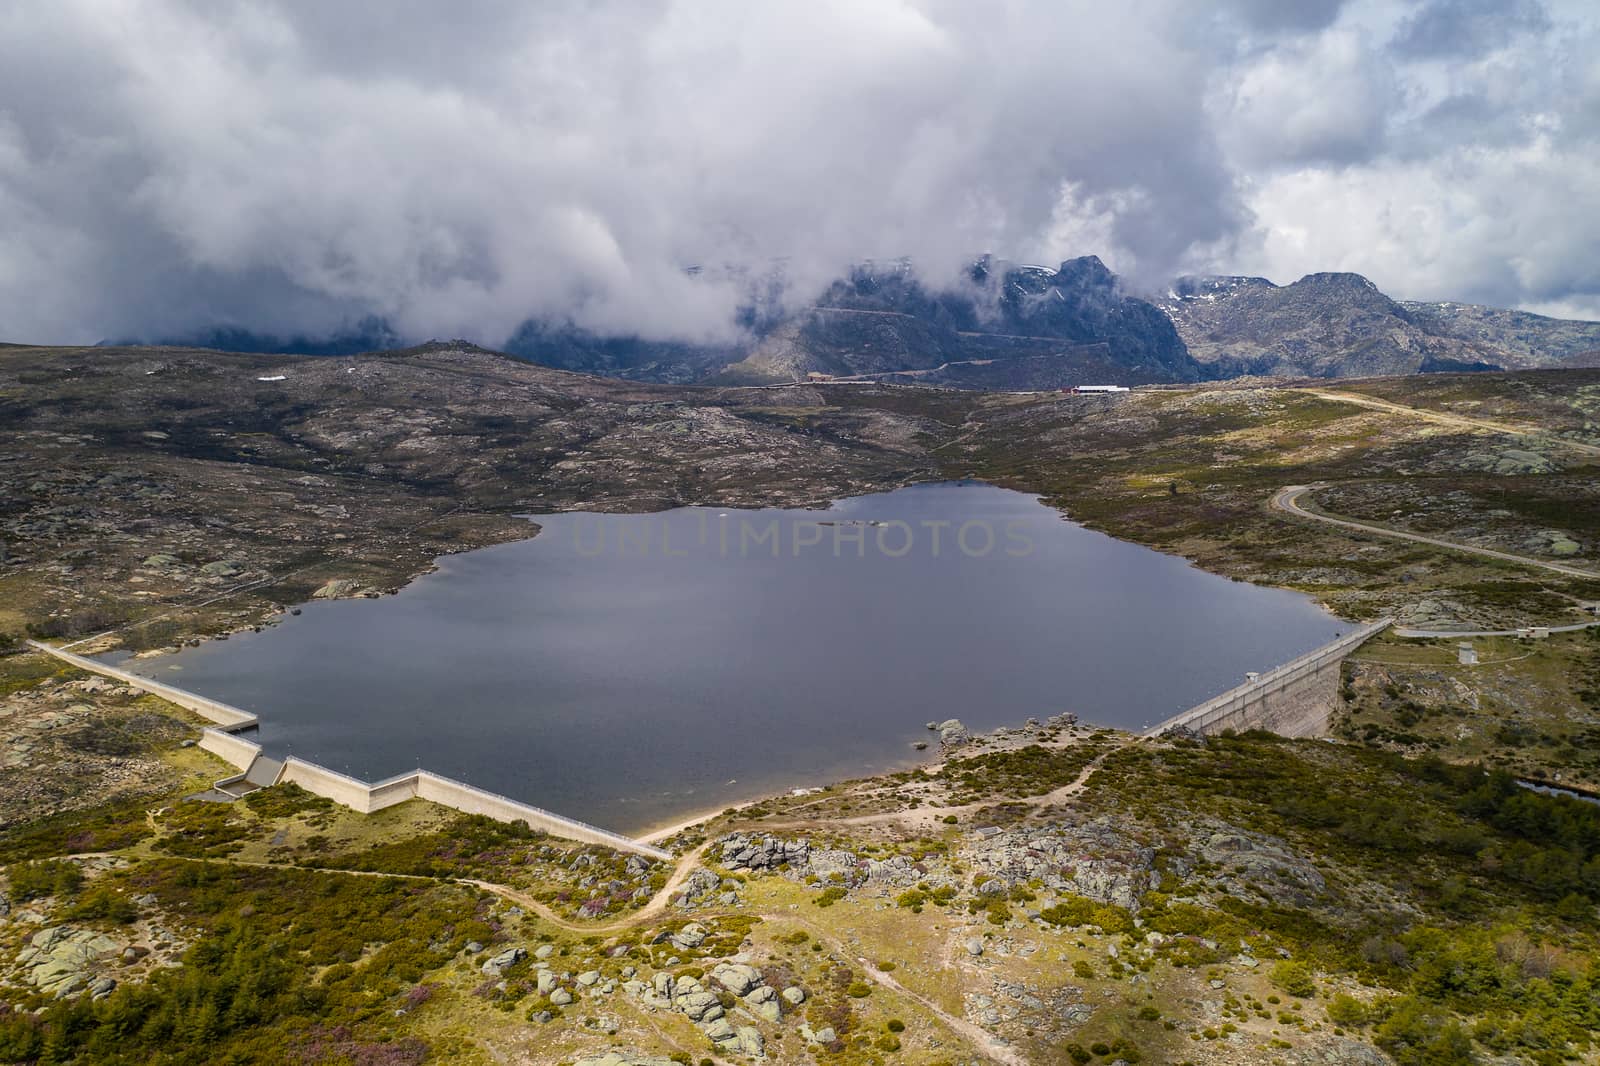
<point x="1054" y="893"/>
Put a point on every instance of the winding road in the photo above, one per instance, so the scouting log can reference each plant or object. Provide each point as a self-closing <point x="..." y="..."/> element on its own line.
<point x="1287" y="500"/>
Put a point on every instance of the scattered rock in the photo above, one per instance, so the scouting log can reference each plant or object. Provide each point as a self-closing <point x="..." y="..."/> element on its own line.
<point x="504" y="961"/>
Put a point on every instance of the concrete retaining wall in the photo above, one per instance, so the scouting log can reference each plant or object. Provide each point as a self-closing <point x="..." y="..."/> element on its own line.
<point x="229" y="718"/>
<point x="472" y="800"/>
<point x="341" y="788"/>
<point x="421" y="784"/>
<point x="345" y="790"/>
<point x="229" y="748"/>
<point x="1294" y="700"/>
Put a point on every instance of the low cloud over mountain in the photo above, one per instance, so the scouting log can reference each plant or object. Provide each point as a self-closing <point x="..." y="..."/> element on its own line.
<point x="296" y="168"/>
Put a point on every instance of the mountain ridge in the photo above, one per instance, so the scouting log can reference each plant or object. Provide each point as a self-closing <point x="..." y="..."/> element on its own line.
<point x="1000" y="325"/>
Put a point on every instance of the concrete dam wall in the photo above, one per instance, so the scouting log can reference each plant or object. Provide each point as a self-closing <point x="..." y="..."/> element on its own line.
<point x="229" y="718"/>
<point x="258" y="769"/>
<point x="1293" y="700"/>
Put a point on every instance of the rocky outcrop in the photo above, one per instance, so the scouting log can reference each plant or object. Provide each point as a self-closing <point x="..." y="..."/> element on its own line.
<point x="64" y="961"/>
<point x="705" y="888"/>
<point x="740" y="852"/>
<point x="338" y="589"/>
<point x="697" y="1002"/>
<point x="1251" y="863"/>
<point x="1093" y="860"/>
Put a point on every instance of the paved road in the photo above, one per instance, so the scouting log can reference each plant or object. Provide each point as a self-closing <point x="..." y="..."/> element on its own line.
<point x="1287" y="499"/>
<point x="1446" y="418"/>
<point x="1401" y="631"/>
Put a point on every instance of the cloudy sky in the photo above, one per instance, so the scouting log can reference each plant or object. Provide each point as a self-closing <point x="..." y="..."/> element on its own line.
<point x="296" y="165"/>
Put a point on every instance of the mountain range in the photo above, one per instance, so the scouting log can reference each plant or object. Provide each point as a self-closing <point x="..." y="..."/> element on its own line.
<point x="1341" y="325"/>
<point x="1008" y="326"/>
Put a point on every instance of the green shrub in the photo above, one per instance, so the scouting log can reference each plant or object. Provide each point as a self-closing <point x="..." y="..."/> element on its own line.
<point x="1294" y="978"/>
<point x="103" y="903"/>
<point x="1345" y="1009"/>
<point x="1418" y="1034"/>
<point x="51" y="877"/>
<point x="831" y="895"/>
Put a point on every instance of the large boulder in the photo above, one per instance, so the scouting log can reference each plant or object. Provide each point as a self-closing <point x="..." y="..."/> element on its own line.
<point x="736" y="977"/>
<point x="689" y="937"/>
<point x="763" y="1002"/>
<point x="699" y="1006"/>
<point x="503" y="961"/>
<point x="749" y="1041"/>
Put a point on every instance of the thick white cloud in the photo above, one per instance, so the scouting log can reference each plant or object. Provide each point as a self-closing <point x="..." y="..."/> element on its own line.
<point x="1483" y="184"/>
<point x="1477" y="226"/>
<point x="289" y="165"/>
<point x="1323" y="100"/>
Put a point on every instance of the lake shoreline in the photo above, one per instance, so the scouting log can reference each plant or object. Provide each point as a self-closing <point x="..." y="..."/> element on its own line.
<point x="781" y="646"/>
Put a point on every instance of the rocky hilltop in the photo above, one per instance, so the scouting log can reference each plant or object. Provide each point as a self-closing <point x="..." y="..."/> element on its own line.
<point x="1069" y="322"/>
<point x="1520" y="338"/>
<point x="1341" y="325"/>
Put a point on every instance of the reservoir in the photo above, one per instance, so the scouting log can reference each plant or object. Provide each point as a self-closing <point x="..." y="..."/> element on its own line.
<point x="631" y="669"/>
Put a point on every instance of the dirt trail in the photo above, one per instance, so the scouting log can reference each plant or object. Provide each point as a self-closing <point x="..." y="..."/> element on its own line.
<point x="658" y="902"/>
<point x="927" y="817"/>
<point x="980" y="1038"/>
<point x="1445" y="418"/>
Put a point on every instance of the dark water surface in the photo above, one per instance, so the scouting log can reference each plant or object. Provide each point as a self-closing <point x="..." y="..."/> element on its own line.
<point x="626" y="669"/>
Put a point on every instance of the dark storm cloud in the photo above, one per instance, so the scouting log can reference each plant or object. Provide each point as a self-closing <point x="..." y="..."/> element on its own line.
<point x="294" y="166"/>
<point x="1285" y="15"/>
